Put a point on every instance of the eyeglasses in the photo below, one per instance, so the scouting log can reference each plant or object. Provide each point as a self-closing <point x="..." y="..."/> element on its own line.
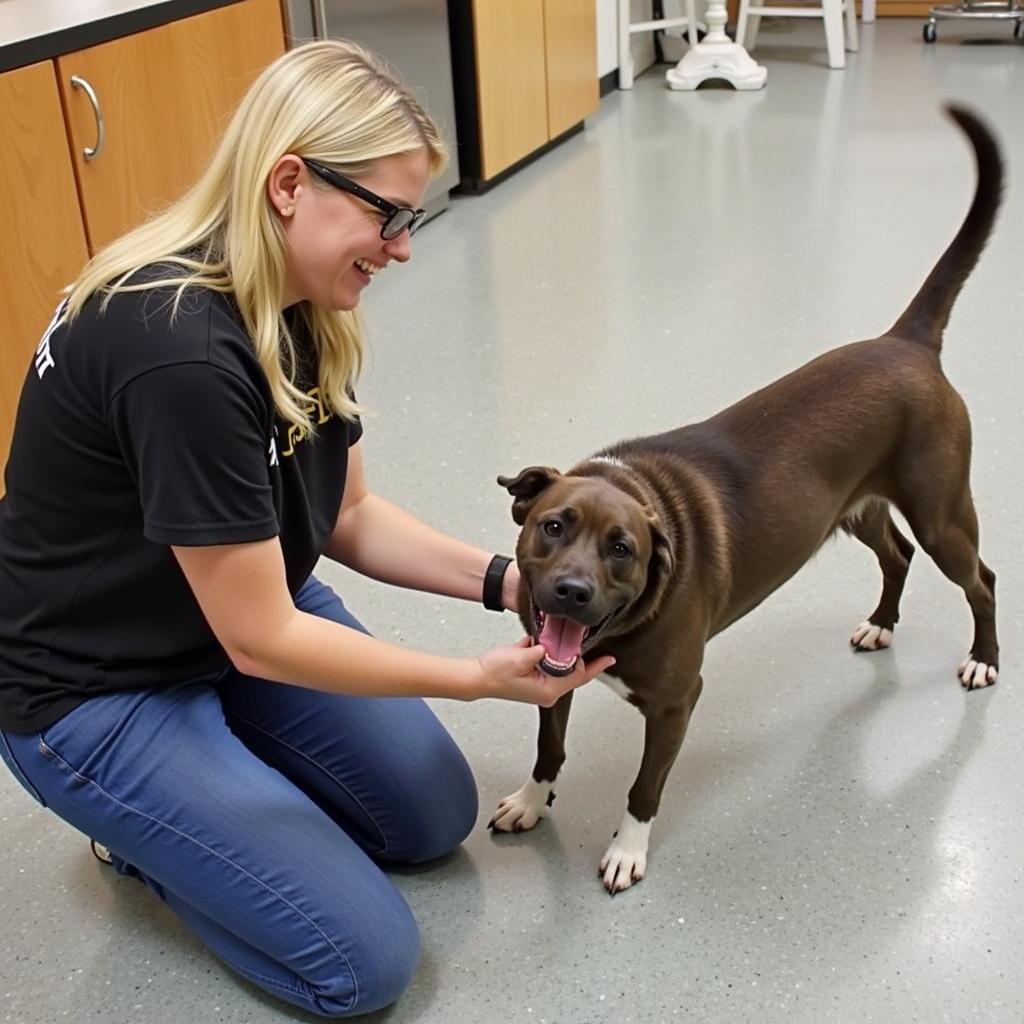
<point x="398" y="219"/>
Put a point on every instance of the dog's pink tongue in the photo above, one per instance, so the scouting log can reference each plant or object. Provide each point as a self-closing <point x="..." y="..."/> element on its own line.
<point x="562" y="639"/>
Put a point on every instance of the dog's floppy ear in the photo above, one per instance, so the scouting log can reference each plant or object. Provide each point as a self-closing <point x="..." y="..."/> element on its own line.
<point x="663" y="559"/>
<point x="527" y="487"/>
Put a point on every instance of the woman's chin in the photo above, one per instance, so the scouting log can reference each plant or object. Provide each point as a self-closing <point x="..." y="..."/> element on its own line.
<point x="344" y="303"/>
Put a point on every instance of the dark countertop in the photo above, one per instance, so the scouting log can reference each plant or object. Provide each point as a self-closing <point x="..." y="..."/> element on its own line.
<point x="34" y="30"/>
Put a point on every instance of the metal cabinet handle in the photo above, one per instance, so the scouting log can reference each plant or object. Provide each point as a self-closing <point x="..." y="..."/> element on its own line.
<point x="91" y="152"/>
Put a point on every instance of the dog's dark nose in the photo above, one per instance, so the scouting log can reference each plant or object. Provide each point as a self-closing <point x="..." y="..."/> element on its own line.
<point x="573" y="593"/>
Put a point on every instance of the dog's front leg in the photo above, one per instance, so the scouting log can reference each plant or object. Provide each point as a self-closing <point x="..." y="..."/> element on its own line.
<point x="625" y="860"/>
<point x="521" y="810"/>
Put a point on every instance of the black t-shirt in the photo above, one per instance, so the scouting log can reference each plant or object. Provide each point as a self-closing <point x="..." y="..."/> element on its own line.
<point x="136" y="431"/>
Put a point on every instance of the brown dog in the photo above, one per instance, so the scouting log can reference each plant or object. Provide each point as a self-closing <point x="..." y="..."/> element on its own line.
<point x="651" y="547"/>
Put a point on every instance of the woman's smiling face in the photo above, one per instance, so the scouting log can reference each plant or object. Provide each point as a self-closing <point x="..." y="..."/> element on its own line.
<point x="333" y="242"/>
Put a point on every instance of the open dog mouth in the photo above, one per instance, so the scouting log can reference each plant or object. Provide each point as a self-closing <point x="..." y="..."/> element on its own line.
<point x="564" y="640"/>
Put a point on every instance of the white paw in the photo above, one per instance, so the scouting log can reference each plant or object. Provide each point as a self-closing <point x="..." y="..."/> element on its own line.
<point x="521" y="810"/>
<point x="625" y="861"/>
<point x="869" y="637"/>
<point x="976" y="674"/>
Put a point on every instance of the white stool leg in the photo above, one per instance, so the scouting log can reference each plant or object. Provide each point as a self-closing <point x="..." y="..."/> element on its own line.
<point x="833" y="11"/>
<point x="625" y="57"/>
<point x="691" y="28"/>
<point x="753" y="23"/>
<point x="746" y="27"/>
<point x="867" y="11"/>
<point x="851" y="25"/>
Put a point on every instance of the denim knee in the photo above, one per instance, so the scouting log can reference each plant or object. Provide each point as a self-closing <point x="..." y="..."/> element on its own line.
<point x="382" y="963"/>
<point x="439" y="811"/>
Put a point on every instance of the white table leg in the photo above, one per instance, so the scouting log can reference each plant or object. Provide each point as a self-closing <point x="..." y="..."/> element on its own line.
<point x="717" y="57"/>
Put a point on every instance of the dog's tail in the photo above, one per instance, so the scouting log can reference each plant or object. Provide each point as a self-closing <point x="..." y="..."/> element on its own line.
<point x="927" y="315"/>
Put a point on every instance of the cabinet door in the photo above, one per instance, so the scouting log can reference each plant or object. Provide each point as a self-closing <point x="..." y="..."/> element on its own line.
<point x="44" y="244"/>
<point x="570" y="32"/>
<point x="511" y="80"/>
<point x="165" y="95"/>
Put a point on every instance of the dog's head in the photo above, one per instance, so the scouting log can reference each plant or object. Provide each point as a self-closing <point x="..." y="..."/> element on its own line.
<point x="589" y="553"/>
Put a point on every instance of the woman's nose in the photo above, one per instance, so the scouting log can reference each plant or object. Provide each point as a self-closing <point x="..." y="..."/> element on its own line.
<point x="399" y="248"/>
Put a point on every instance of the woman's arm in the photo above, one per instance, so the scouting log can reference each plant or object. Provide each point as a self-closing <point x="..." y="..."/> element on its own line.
<point x="382" y="541"/>
<point x="243" y="593"/>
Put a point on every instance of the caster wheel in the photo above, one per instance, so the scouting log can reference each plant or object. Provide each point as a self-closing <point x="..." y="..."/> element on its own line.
<point x="929" y="32"/>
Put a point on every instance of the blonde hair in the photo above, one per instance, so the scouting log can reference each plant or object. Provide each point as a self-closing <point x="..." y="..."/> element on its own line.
<point x="332" y="101"/>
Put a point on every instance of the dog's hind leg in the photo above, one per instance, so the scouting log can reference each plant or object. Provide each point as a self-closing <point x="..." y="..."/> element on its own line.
<point x="874" y="526"/>
<point x="521" y="810"/>
<point x="952" y="541"/>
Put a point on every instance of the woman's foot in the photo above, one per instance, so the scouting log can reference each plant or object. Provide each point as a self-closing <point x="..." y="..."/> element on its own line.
<point x="100" y="852"/>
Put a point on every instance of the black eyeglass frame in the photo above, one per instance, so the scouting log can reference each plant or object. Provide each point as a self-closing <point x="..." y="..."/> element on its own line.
<point x="339" y="181"/>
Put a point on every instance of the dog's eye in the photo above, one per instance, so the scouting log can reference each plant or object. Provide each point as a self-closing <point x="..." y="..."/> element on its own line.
<point x="620" y="550"/>
<point x="553" y="528"/>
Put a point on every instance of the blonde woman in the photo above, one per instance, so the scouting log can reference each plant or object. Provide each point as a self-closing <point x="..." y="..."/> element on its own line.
<point x="173" y="681"/>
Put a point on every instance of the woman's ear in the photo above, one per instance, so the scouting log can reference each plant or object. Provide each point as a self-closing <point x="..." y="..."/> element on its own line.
<point x="284" y="184"/>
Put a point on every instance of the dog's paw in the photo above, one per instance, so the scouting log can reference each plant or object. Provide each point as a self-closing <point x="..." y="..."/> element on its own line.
<point x="521" y="810"/>
<point x="625" y="860"/>
<point x="869" y="637"/>
<point x="975" y="674"/>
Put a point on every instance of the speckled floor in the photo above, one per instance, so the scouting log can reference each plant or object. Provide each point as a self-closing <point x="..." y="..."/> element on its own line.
<point x="841" y="837"/>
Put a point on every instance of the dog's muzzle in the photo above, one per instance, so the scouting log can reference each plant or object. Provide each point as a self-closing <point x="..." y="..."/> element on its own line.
<point x="564" y="640"/>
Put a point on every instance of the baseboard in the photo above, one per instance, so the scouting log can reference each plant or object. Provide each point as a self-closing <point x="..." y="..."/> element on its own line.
<point x="475" y="185"/>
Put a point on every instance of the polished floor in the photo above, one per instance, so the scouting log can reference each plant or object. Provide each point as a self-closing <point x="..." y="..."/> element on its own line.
<point x="841" y="838"/>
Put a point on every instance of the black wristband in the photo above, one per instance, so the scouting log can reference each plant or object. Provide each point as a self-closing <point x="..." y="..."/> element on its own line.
<point x="493" y="579"/>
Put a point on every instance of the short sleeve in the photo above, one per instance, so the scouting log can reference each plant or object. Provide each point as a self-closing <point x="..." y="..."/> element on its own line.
<point x="195" y="437"/>
<point x="355" y="425"/>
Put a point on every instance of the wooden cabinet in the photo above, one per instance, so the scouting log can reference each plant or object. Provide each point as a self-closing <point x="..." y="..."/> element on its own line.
<point x="44" y="243"/>
<point x="570" y="48"/>
<point x="511" y="81"/>
<point x="525" y="74"/>
<point x="165" y="94"/>
<point x="903" y="8"/>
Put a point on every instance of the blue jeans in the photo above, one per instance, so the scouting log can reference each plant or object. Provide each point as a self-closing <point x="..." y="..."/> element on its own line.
<point x="259" y="812"/>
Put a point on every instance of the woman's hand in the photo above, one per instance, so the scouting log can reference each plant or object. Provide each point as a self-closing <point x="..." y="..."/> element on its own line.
<point x="512" y="673"/>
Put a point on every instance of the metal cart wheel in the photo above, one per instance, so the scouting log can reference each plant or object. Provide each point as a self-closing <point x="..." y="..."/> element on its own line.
<point x="929" y="31"/>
